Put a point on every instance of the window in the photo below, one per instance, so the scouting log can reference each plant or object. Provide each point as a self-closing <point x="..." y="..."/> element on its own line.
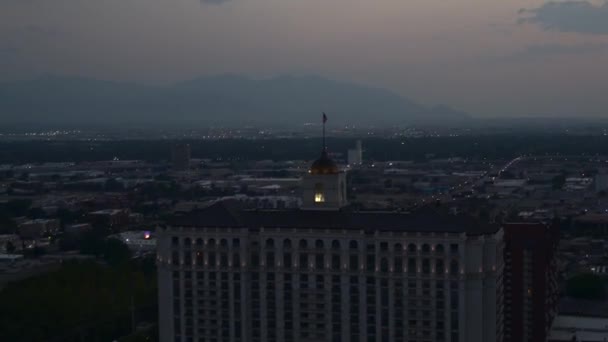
<point x="303" y="260"/>
<point x="354" y="262"/>
<point x="335" y="244"/>
<point x="319" y="261"/>
<point x="411" y="248"/>
<point x="426" y="266"/>
<point x="411" y="265"/>
<point x="426" y="248"/>
<point x="439" y="267"/>
<point x="335" y="262"/>
<point x="383" y="265"/>
<point x="454" y="267"/>
<point x="439" y="249"/>
<point x="454" y="248"/>
<point x="319" y="193"/>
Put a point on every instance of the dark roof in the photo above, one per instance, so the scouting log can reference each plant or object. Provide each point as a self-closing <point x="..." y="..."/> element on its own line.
<point x="324" y="165"/>
<point x="224" y="215"/>
<point x="583" y="307"/>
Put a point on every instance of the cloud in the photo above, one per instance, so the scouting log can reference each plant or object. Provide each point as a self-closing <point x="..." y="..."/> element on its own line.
<point x="536" y="52"/>
<point x="213" y="2"/>
<point x="569" y="16"/>
<point x="544" y="50"/>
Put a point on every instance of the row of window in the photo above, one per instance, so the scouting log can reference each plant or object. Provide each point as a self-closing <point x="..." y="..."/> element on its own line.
<point x="319" y="261"/>
<point x="318" y="244"/>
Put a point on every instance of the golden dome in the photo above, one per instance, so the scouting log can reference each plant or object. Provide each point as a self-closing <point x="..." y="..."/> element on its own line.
<point x="324" y="166"/>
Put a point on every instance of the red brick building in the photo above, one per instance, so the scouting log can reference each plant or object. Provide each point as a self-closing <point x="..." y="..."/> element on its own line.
<point x="530" y="281"/>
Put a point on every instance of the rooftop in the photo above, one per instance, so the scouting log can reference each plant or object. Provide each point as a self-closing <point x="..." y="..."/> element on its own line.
<point x="227" y="215"/>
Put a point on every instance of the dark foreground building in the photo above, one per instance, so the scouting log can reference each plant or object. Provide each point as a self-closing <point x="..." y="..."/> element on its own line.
<point x="531" y="292"/>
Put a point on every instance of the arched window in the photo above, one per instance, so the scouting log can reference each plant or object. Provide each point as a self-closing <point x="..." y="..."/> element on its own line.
<point x="398" y="248"/>
<point x="269" y="243"/>
<point x="287" y="244"/>
<point x="236" y="243"/>
<point x="319" y="244"/>
<point x="303" y="244"/>
<point x="224" y="243"/>
<point x="353" y="244"/>
<point x="211" y="243"/>
<point x="426" y="248"/>
<point x="187" y="259"/>
<point x="199" y="242"/>
<point x="335" y="244"/>
<point x="439" y="249"/>
<point x="411" y="248"/>
<point x="187" y="242"/>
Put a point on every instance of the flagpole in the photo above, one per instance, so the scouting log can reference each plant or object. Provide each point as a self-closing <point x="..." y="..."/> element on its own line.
<point x="324" y="146"/>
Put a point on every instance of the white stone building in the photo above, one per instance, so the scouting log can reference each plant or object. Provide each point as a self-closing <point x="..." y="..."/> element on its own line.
<point x="327" y="273"/>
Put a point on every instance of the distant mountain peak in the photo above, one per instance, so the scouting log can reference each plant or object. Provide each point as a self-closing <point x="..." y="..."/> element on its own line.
<point x="226" y="98"/>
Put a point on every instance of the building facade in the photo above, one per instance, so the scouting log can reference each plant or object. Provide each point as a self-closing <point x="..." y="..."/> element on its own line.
<point x="326" y="273"/>
<point x="531" y="289"/>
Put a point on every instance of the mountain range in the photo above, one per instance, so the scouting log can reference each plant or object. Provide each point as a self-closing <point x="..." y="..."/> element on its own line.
<point x="224" y="99"/>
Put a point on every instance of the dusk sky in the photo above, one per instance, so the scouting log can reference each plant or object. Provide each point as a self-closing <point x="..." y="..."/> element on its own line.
<point x="487" y="57"/>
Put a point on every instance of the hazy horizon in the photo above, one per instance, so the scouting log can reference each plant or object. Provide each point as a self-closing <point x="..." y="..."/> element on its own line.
<point x="491" y="59"/>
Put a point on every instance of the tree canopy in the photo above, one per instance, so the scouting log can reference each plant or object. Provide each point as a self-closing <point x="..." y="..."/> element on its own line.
<point x="586" y="286"/>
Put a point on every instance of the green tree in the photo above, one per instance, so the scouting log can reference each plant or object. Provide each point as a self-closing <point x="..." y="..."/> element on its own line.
<point x="586" y="286"/>
<point x="116" y="252"/>
<point x="18" y="207"/>
<point x="10" y="248"/>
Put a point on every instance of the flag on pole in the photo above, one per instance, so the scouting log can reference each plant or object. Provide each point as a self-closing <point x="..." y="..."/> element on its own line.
<point x="324" y="118"/>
